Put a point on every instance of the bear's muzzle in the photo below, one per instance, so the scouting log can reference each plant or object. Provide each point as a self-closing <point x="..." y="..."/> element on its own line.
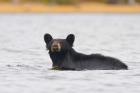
<point x="56" y="47"/>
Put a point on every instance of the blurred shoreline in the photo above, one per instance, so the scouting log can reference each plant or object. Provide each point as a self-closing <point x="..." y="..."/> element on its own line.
<point x="81" y="8"/>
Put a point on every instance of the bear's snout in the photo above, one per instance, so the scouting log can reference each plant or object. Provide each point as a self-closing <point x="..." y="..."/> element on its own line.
<point x="55" y="47"/>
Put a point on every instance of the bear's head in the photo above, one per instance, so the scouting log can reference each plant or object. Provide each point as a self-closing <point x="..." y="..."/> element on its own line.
<point x="59" y="45"/>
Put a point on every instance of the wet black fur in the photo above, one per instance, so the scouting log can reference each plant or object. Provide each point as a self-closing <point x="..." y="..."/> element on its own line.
<point x="69" y="59"/>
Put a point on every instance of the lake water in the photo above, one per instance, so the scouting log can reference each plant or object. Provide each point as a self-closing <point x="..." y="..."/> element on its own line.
<point x="25" y="63"/>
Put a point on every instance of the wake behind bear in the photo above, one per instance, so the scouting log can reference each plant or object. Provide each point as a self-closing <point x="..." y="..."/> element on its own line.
<point x="64" y="57"/>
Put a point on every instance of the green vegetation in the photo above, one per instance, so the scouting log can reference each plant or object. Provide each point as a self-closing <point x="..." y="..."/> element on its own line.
<point x="138" y="1"/>
<point x="2" y="1"/>
<point x="63" y="2"/>
<point x="42" y="1"/>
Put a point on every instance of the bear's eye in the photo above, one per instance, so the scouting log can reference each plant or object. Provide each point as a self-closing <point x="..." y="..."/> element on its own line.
<point x="61" y="44"/>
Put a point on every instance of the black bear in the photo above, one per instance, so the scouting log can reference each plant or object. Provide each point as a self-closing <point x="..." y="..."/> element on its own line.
<point x="64" y="57"/>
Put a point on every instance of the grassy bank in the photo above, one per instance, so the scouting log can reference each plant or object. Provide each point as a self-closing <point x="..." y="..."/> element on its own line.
<point x="82" y="8"/>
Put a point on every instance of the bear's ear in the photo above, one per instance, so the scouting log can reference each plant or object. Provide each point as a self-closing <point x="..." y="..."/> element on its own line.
<point x="70" y="39"/>
<point x="47" y="38"/>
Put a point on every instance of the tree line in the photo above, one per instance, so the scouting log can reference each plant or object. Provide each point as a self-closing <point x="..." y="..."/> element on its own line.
<point x="71" y="1"/>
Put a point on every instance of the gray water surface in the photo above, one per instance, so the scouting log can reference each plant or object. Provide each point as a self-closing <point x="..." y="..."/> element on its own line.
<point x="25" y="64"/>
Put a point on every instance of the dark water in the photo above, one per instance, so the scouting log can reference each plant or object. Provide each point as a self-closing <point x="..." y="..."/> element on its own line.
<point x="25" y="64"/>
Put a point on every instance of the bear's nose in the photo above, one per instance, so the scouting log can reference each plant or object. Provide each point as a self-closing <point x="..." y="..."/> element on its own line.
<point x="56" y="47"/>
